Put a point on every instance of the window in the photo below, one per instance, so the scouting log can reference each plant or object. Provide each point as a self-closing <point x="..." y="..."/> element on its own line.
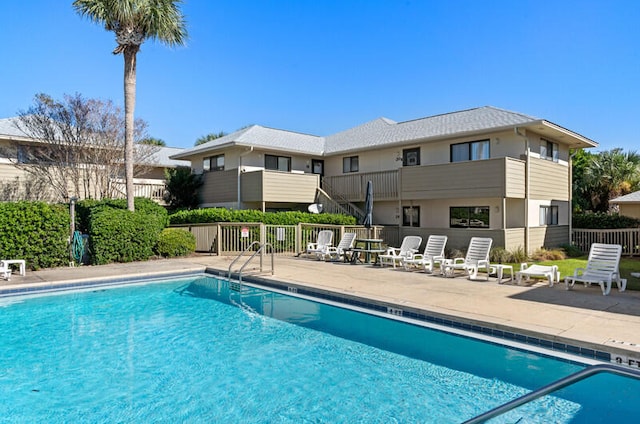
<point x="213" y="163"/>
<point x="350" y="164"/>
<point x="473" y="150"/>
<point x="469" y="217"/>
<point x="548" y="215"/>
<point x="411" y="157"/>
<point x="548" y="150"/>
<point x="411" y="216"/>
<point x="277" y="163"/>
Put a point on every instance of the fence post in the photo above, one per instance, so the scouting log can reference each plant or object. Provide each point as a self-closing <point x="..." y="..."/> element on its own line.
<point x="219" y="238"/>
<point x="298" y="245"/>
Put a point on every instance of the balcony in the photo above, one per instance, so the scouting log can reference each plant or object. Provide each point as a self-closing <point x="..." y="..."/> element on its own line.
<point x="500" y="177"/>
<point x="259" y="186"/>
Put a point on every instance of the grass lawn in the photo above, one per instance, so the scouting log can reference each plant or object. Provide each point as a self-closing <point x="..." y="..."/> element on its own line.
<point x="566" y="267"/>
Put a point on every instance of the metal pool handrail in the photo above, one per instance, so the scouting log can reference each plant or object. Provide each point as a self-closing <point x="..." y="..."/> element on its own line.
<point x="556" y="385"/>
<point x="259" y="250"/>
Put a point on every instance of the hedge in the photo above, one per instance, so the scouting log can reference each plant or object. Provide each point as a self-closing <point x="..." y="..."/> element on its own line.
<point x="84" y="207"/>
<point x="602" y="221"/>
<point x="175" y="242"/>
<point x="36" y="232"/>
<point x="211" y="215"/>
<point x="118" y="235"/>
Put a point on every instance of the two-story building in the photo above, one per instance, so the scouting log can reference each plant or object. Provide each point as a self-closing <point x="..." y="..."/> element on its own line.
<point x="479" y="172"/>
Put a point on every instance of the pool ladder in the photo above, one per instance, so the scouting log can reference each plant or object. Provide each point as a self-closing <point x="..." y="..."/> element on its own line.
<point x="237" y="285"/>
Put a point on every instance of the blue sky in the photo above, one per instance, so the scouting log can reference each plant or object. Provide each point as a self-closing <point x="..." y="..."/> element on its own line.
<point x="322" y="66"/>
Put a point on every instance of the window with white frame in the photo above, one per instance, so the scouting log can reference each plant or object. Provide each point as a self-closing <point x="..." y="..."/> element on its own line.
<point x="277" y="163"/>
<point x="213" y="163"/>
<point x="548" y="215"/>
<point x="350" y="164"/>
<point x="548" y="150"/>
<point x="472" y="150"/>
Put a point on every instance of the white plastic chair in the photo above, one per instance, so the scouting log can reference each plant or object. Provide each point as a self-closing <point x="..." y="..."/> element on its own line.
<point x="320" y="247"/>
<point x="477" y="257"/>
<point x="346" y="242"/>
<point x="602" y="268"/>
<point x="395" y="255"/>
<point x="433" y="253"/>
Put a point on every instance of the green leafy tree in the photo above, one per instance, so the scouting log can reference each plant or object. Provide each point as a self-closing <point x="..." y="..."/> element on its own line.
<point x="209" y="137"/>
<point x="134" y="21"/>
<point x="608" y="175"/>
<point x="152" y="141"/>
<point x="182" y="188"/>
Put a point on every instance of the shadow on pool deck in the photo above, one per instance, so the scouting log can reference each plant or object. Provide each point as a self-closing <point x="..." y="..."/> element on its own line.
<point x="582" y="316"/>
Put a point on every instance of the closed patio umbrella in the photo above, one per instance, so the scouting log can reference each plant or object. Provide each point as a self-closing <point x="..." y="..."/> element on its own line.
<point x="368" y="207"/>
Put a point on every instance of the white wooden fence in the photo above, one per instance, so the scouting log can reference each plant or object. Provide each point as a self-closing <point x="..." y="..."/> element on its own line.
<point x="628" y="238"/>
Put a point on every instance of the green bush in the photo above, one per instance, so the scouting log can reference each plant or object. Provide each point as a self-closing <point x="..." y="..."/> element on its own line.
<point x="603" y="221"/>
<point x="148" y="206"/>
<point x="175" y="242"/>
<point x="36" y="232"/>
<point x="117" y="235"/>
<point x="210" y="215"/>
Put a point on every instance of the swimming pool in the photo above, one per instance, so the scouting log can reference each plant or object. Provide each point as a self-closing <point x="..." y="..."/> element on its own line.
<point x="191" y="350"/>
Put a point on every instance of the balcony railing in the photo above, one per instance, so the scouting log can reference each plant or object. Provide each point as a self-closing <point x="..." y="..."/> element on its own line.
<point x="150" y="189"/>
<point x="353" y="187"/>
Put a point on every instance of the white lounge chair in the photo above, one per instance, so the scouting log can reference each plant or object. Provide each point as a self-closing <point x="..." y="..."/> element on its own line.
<point x="395" y="255"/>
<point x="320" y="247"/>
<point x="477" y="257"/>
<point x="602" y="268"/>
<point x="346" y="242"/>
<point x="539" y="271"/>
<point x="433" y="253"/>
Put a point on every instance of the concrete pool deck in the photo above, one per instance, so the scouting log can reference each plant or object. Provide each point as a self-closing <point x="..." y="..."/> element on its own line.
<point x="582" y="316"/>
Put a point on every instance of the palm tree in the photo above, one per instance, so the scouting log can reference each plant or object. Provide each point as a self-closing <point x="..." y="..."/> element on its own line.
<point x="133" y="21"/>
<point x="610" y="174"/>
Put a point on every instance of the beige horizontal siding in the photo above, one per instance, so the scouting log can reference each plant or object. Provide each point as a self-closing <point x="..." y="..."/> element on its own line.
<point x="482" y="178"/>
<point x="286" y="187"/>
<point x="220" y="186"/>
<point x="515" y="179"/>
<point x="548" y="180"/>
<point x="548" y="237"/>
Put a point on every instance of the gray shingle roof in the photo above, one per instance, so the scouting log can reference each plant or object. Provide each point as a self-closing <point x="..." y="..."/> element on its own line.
<point x="267" y="138"/>
<point x="161" y="157"/>
<point x="8" y="128"/>
<point x="381" y="132"/>
<point x="628" y="198"/>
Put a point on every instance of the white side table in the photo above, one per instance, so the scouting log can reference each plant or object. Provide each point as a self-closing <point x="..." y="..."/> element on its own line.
<point x="499" y="269"/>
<point x="20" y="262"/>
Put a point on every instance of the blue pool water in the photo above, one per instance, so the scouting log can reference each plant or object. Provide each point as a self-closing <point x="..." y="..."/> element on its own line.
<point x="192" y="351"/>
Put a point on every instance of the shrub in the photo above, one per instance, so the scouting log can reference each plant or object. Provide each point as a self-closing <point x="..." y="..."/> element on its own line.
<point x="210" y="215"/>
<point x="519" y="255"/>
<point x="148" y="206"/>
<point x="182" y="188"/>
<point x="499" y="255"/>
<point x="543" y="254"/>
<point x="603" y="221"/>
<point x="117" y="235"/>
<point x="175" y="242"/>
<point x="571" y="250"/>
<point x="36" y="232"/>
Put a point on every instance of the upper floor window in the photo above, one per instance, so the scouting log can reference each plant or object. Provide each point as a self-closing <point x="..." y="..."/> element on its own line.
<point x="411" y="157"/>
<point x="472" y="150"/>
<point x="350" y="164"/>
<point x="548" y="215"/>
<point x="469" y="217"/>
<point x="277" y="163"/>
<point x="213" y="163"/>
<point x="548" y="150"/>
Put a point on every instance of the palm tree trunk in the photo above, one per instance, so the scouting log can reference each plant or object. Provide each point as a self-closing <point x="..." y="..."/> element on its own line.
<point x="129" y="106"/>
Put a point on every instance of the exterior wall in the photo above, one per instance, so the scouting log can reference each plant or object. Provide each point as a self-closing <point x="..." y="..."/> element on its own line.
<point x="534" y="211"/>
<point x="551" y="236"/>
<point x="480" y="178"/>
<point x="219" y="187"/>
<point x="515" y="217"/>
<point x="630" y="210"/>
<point x="435" y="213"/>
<point x="548" y="180"/>
<point x="274" y="186"/>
